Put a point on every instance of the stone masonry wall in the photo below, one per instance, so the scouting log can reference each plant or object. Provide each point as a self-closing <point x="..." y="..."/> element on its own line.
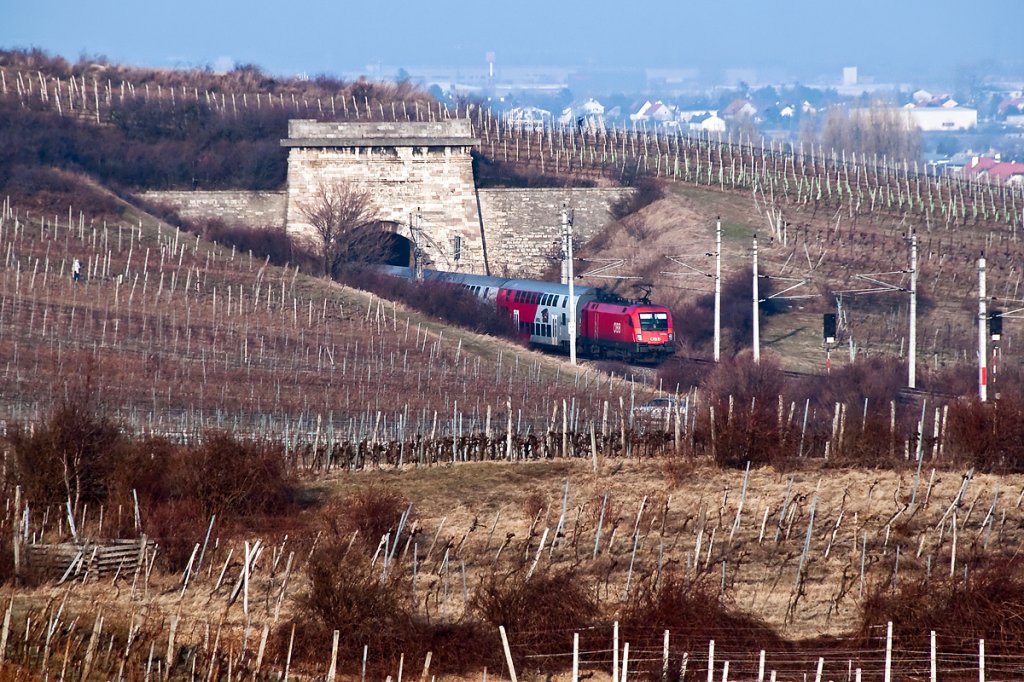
<point x="523" y="228"/>
<point x="236" y="208"/>
<point x="408" y="167"/>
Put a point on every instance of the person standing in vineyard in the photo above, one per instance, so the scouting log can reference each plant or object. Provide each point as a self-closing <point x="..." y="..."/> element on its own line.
<point x="76" y="270"/>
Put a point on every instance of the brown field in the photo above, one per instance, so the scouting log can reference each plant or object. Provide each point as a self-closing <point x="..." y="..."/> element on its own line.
<point x="657" y="514"/>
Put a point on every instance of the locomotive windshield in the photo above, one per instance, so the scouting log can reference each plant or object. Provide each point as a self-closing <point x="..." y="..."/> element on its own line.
<point x="654" y="322"/>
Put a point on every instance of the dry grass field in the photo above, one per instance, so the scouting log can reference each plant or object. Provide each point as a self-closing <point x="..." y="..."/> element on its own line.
<point x="797" y="554"/>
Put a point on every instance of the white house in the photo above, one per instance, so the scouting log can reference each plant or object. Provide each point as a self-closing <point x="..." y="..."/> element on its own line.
<point x="740" y="107"/>
<point x="654" y="111"/>
<point x="709" y="123"/>
<point x="529" y="118"/>
<point x="934" y="119"/>
<point x="687" y="115"/>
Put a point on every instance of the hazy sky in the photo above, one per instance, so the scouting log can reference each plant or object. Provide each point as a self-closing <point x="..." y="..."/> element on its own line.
<point x="917" y="40"/>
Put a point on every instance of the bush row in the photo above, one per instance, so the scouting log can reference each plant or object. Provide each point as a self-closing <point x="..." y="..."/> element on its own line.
<point x="760" y="415"/>
<point x="79" y="457"/>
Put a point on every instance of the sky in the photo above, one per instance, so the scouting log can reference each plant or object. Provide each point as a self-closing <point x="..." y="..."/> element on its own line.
<point x="888" y="40"/>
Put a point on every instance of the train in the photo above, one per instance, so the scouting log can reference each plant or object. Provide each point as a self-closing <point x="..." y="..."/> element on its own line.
<point x="608" y="325"/>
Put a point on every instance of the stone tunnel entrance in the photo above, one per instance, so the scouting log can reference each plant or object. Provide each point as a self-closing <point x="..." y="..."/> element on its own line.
<point x="397" y="250"/>
<point x="381" y="243"/>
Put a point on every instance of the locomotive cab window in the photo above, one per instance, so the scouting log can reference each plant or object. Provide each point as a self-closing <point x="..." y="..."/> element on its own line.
<point x="654" y="322"/>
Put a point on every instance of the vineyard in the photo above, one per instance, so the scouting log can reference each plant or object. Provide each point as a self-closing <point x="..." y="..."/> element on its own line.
<point x="177" y="336"/>
<point x="295" y="478"/>
<point x="824" y="216"/>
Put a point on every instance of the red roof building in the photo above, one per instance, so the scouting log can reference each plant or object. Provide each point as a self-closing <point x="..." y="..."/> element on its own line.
<point x="1002" y="172"/>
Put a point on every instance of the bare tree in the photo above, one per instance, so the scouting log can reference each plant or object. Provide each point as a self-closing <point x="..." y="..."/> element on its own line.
<point x="346" y="226"/>
<point x="877" y="130"/>
<point x="744" y="130"/>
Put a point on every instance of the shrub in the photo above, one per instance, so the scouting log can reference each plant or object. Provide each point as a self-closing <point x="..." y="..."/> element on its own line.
<point x="985" y="602"/>
<point x="680" y="374"/>
<point x="447" y="302"/>
<point x="645" y="192"/>
<point x="68" y="456"/>
<point x="488" y="172"/>
<point x="693" y="610"/>
<point x="737" y="312"/>
<point x="877" y="379"/>
<point x="746" y="428"/>
<point x="533" y="608"/>
<point x="988" y="436"/>
<point x="243" y="483"/>
<point x="43" y="188"/>
<point x="372" y="511"/>
<point x="349" y="595"/>
<point x="229" y="477"/>
<point x="271" y="243"/>
<point x="745" y="380"/>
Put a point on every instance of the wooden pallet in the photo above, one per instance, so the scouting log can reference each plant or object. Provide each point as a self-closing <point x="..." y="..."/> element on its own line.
<point x="70" y="560"/>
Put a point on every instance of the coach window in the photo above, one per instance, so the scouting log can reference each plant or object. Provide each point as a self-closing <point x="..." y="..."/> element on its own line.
<point x="565" y="301"/>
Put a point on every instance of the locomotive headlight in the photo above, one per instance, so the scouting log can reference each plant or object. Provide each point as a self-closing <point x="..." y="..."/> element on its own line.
<point x="639" y="336"/>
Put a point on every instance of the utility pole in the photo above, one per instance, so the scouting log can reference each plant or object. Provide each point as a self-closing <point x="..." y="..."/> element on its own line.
<point x="982" y="333"/>
<point x="565" y="248"/>
<point x="912" y="349"/>
<point x="567" y="231"/>
<point x="757" y="310"/>
<point x="416" y="230"/>
<point x="718" y="289"/>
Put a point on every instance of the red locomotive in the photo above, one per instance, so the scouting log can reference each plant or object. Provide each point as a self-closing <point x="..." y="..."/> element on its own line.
<point x="607" y="325"/>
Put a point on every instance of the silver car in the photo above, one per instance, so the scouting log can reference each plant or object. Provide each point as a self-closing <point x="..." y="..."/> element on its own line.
<point x="660" y="409"/>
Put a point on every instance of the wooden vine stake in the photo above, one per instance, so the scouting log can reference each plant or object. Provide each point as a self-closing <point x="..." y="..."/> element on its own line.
<point x="508" y="654"/>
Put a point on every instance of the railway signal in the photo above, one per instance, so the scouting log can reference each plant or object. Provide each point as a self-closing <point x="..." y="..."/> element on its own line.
<point x="829" y="327"/>
<point x="995" y="325"/>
